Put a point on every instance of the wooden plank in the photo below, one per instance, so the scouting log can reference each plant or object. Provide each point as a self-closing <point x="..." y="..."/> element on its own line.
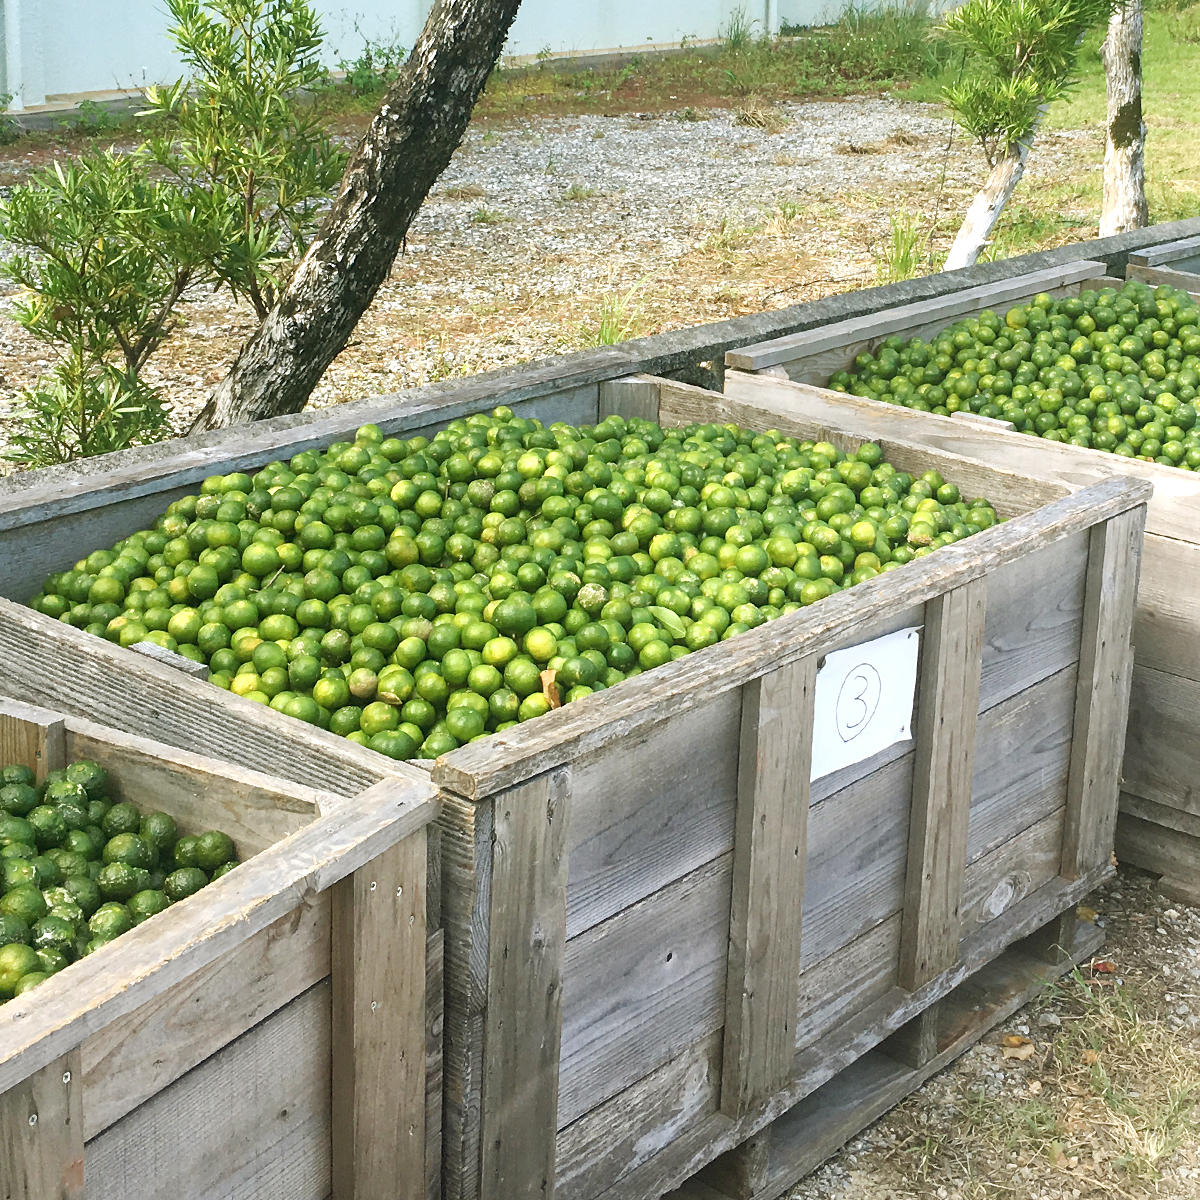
<point x="256" y="810"/>
<point x="642" y="987"/>
<point x="1024" y="643"/>
<point x="947" y="708"/>
<point x="41" y="1134"/>
<point x="263" y="1104"/>
<point x="77" y="674"/>
<point x="1174" y="508"/>
<point x="128" y="1061"/>
<point x="1022" y="760"/>
<point x="768" y="884"/>
<point x="862" y="331"/>
<point x="31" y="737"/>
<point x="1166" y="626"/>
<point x="434" y="1024"/>
<point x="651" y="810"/>
<point x="1162" y="756"/>
<point x="170" y="659"/>
<point x="916" y="1041"/>
<point x="1187" y="281"/>
<point x="466" y="855"/>
<point x="739" y="1174"/>
<point x="379" y="1035"/>
<point x="633" y="396"/>
<point x="621" y="712"/>
<point x="1102" y="700"/>
<point x="617" y="1148"/>
<point x="523" y="1022"/>
<point x="37" y="1028"/>
<point x="1166" y="252"/>
<point x="1173" y="855"/>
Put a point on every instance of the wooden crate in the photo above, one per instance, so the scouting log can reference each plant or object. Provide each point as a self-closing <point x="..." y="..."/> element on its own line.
<point x="768" y="1165"/>
<point x="276" y="1035"/>
<point x="616" y="1013"/>
<point x="1159" y="828"/>
<point x="1176" y="263"/>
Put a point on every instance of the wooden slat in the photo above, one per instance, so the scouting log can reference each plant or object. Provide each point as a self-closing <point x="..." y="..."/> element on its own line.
<point x="523" y="1023"/>
<point x="39" y="1027"/>
<point x="1166" y="252"/>
<point x="1168" y="852"/>
<point x="643" y="986"/>
<point x="41" y="1134"/>
<point x="435" y="957"/>
<point x="768" y="884"/>
<point x="739" y="1174"/>
<point x="128" y="1061"/>
<point x="916" y="1041"/>
<point x="633" y="396"/>
<point x="253" y="1120"/>
<point x="1174" y="508"/>
<point x="651" y="810"/>
<point x="1187" y="281"/>
<point x="466" y="858"/>
<point x="1102" y="700"/>
<point x="506" y="758"/>
<point x="1166" y="626"/>
<point x="80" y="675"/>
<point x="940" y="311"/>
<point x="256" y="810"/>
<point x="947" y="708"/>
<point x="1162" y="754"/>
<point x="31" y="737"/>
<point x="379" y="1032"/>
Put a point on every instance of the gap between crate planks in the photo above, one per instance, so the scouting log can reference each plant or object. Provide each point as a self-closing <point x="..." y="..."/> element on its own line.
<point x="641" y="1067"/>
<point x="1159" y="826"/>
<point x="243" y="1039"/>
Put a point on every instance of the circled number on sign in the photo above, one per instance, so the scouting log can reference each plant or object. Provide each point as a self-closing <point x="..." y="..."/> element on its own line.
<point x="858" y="701"/>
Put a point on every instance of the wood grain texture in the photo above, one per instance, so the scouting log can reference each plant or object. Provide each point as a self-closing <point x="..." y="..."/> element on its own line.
<point x="654" y="1162"/>
<point x="768" y="884"/>
<point x="77" y="674"/>
<point x="857" y="333"/>
<point x="41" y="1134"/>
<point x="466" y="856"/>
<point x="379" y="987"/>
<point x="131" y="1060"/>
<point x="1165" y="252"/>
<point x="643" y="986"/>
<point x="31" y="737"/>
<point x="1186" y="281"/>
<point x="256" y="810"/>
<point x="264" y="1101"/>
<point x="523" y="1022"/>
<point x="435" y="988"/>
<point x="1166" y="626"/>
<point x="1102" y="699"/>
<point x="633" y="396"/>
<point x="916" y="1041"/>
<point x="947" y="708"/>
<point x="1168" y="852"/>
<point x="37" y="1028"/>
<point x="1162" y="755"/>
<point x="649" y="810"/>
<point x="739" y="1174"/>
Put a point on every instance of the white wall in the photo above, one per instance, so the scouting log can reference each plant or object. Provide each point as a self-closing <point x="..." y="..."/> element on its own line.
<point x="67" y="47"/>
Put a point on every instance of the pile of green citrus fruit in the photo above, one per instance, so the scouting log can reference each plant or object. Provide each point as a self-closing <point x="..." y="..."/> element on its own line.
<point x="1113" y="370"/>
<point x="417" y="594"/>
<point x="77" y="870"/>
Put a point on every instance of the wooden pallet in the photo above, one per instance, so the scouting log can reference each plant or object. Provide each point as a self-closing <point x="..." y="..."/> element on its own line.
<point x="778" y="1157"/>
<point x="277" y="1034"/>
<point x="1159" y="827"/>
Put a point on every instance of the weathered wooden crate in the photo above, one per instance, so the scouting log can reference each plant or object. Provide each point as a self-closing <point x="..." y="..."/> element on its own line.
<point x="276" y="1035"/>
<point x="658" y="936"/>
<point x="767" y="1165"/>
<point x="1176" y="263"/>
<point x="1159" y="828"/>
<point x="661" y="937"/>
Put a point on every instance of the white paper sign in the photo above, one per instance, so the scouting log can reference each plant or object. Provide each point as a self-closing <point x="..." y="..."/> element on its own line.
<point x="864" y="702"/>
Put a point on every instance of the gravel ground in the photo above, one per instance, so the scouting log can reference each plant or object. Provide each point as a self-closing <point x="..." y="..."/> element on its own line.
<point x="539" y="226"/>
<point x="542" y="229"/>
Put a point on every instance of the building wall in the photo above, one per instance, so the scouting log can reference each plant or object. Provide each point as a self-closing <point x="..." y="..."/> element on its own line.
<point x="71" y="47"/>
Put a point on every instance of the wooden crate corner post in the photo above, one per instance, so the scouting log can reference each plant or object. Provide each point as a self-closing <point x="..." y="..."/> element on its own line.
<point x="378" y="967"/>
<point x="41" y="1134"/>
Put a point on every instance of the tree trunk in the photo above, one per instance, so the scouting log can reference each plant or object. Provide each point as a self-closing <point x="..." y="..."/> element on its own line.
<point x="1124" y="205"/>
<point x="987" y="206"/>
<point x="409" y="143"/>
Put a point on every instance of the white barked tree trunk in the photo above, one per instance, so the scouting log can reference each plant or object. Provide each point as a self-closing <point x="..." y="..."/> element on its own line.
<point x="1124" y="206"/>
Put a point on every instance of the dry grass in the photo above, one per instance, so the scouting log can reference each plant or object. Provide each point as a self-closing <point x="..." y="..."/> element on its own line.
<point x="758" y="114"/>
<point x="462" y="191"/>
